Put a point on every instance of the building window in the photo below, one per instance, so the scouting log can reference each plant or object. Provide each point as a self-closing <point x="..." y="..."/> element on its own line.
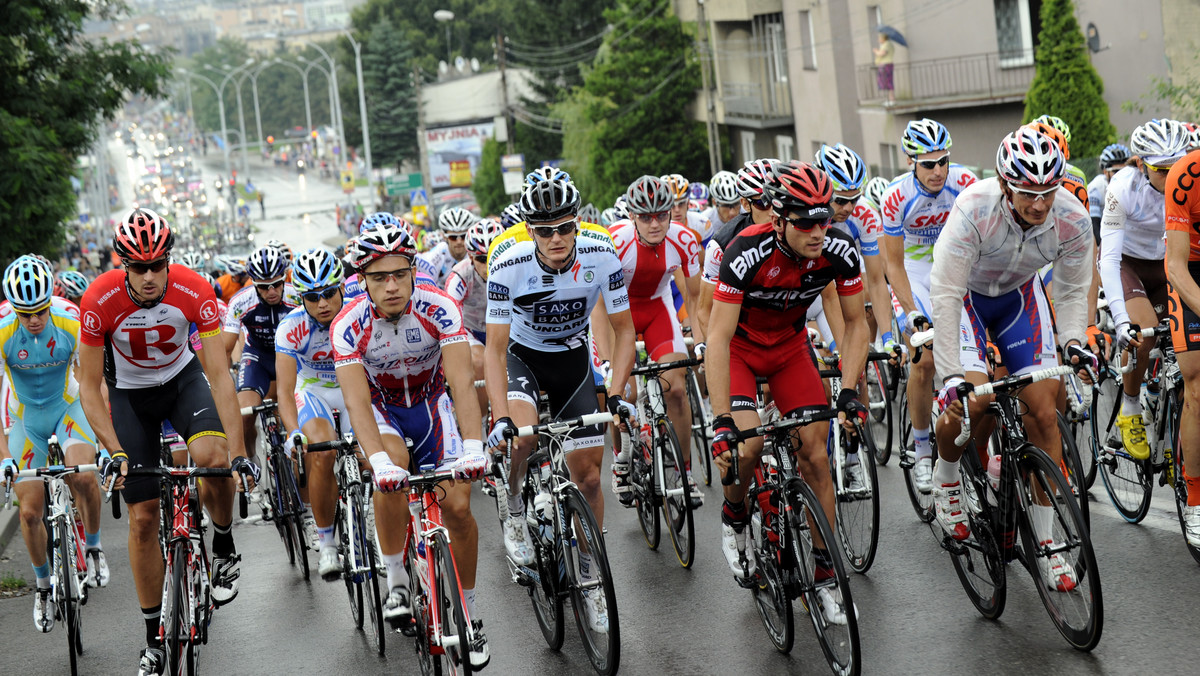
<point x="1014" y="31"/>
<point x="874" y="19"/>
<point x="889" y="160"/>
<point x="808" y="46"/>
<point x="748" y="151"/>
<point x="785" y="148"/>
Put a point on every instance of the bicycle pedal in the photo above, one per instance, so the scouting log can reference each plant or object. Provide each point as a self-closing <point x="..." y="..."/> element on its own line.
<point x="745" y="582"/>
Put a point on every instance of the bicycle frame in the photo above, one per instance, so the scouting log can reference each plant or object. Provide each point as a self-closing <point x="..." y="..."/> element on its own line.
<point x="426" y="522"/>
<point x="652" y="409"/>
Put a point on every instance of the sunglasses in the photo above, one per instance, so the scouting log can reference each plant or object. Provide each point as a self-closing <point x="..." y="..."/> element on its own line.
<point x="661" y="217"/>
<point x="381" y="277"/>
<point x="455" y="238"/>
<point x="142" y="268"/>
<point x="35" y="313"/>
<point x="761" y="204"/>
<point x="805" y="224"/>
<point x="321" y="294"/>
<point x="480" y="259"/>
<point x="548" y="231"/>
<point x="1034" y="195"/>
<point x="1157" y="170"/>
<point x="265" y="286"/>
<point x="843" y="201"/>
<point x="939" y="162"/>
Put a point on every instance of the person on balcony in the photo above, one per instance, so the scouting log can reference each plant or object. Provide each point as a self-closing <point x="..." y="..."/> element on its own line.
<point x="884" y="58"/>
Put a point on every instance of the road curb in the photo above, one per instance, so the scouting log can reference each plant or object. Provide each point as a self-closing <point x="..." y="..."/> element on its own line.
<point x="9" y="522"/>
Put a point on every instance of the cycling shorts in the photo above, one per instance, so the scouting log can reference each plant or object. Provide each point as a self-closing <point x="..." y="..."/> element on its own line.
<point x="568" y="380"/>
<point x="476" y="337"/>
<point x="32" y="427"/>
<point x="918" y="273"/>
<point x="256" y="371"/>
<point x="313" y="403"/>
<point x="1019" y="323"/>
<point x="790" y="369"/>
<point x="1185" y="322"/>
<point x="654" y="320"/>
<point x="430" y="426"/>
<point x="185" y="400"/>
<point x="1143" y="278"/>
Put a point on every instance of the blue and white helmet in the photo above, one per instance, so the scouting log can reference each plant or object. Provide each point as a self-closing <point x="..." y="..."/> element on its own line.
<point x="28" y="284"/>
<point x="73" y="283"/>
<point x="316" y="269"/>
<point x="377" y="219"/>
<point x="844" y="166"/>
<point x="546" y="174"/>
<point x="266" y="263"/>
<point x="511" y="215"/>
<point x="925" y="136"/>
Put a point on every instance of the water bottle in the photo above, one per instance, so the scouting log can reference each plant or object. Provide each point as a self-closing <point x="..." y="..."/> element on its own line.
<point x="422" y="562"/>
<point x="542" y="507"/>
<point x="1149" y="400"/>
<point x="644" y="435"/>
<point x="994" y="475"/>
<point x="756" y="529"/>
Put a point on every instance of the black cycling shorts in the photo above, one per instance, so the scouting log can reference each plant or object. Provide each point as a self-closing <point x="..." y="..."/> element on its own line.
<point x="137" y="414"/>
<point x="566" y="378"/>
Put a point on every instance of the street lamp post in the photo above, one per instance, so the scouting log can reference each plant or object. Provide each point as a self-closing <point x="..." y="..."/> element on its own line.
<point x="329" y="82"/>
<point x="254" y="88"/>
<point x="446" y="16"/>
<point x="307" y="104"/>
<point x="337" y="98"/>
<point x="362" y="110"/>
<point x="220" y="89"/>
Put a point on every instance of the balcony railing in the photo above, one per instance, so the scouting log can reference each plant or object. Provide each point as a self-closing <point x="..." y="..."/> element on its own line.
<point x="754" y="100"/>
<point x="994" y="76"/>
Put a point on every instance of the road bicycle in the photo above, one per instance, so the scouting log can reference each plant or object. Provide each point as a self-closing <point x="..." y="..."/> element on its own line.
<point x="285" y="477"/>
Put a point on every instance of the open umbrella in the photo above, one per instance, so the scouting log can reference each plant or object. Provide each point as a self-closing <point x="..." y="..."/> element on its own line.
<point x="893" y="35"/>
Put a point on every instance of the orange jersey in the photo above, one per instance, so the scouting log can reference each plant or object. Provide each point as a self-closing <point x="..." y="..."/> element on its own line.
<point x="1183" y="200"/>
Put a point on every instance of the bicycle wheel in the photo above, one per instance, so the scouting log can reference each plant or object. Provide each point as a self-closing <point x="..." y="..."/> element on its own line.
<point x="68" y="597"/>
<point x="369" y="573"/>
<point x="455" y="641"/>
<point x="1174" y="411"/>
<point x="347" y="542"/>
<point x="771" y="594"/>
<point x="1128" y="482"/>
<point x="879" y="421"/>
<point x="544" y="593"/>
<point x="858" y="513"/>
<point x="1073" y="468"/>
<point x="979" y="561"/>
<point x="700" y="436"/>
<point x="641" y="482"/>
<point x="922" y="503"/>
<point x="602" y="645"/>
<point x="293" y="508"/>
<point x="677" y="511"/>
<point x="838" y="639"/>
<point x="176" y="639"/>
<point x="1076" y="606"/>
<point x="421" y="601"/>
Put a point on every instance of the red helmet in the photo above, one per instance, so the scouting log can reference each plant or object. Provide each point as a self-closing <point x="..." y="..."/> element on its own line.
<point x="801" y="187"/>
<point x="143" y="236"/>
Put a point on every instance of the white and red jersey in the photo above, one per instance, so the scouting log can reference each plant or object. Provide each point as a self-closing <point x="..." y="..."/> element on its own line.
<point x="649" y="269"/>
<point x="147" y="346"/>
<point x="403" y="358"/>
<point x="466" y="286"/>
<point x="55" y="301"/>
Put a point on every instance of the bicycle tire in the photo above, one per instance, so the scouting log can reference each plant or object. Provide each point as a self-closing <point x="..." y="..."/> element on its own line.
<point x="345" y="514"/>
<point x="545" y="596"/>
<point x="1073" y="466"/>
<point x="700" y="435"/>
<point x="370" y="576"/>
<point x="175" y="609"/>
<point x="641" y="482"/>
<point x="293" y="507"/>
<point x="603" y="649"/>
<point x="68" y="578"/>
<point x="1174" y="403"/>
<point x="771" y="596"/>
<point x="1128" y="482"/>
<point x="421" y="614"/>
<point x="858" y="515"/>
<point x="448" y="596"/>
<point x="1078" y="614"/>
<point x="840" y="645"/>
<point x="980" y="568"/>
<point x="677" y="510"/>
<point x="879" y="403"/>
<point x="922" y="503"/>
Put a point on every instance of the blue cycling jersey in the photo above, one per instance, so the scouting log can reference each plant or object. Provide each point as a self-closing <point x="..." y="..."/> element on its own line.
<point x="39" y="367"/>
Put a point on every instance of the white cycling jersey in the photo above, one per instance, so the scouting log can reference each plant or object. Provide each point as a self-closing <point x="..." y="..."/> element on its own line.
<point x="984" y="250"/>
<point x="912" y="212"/>
<point x="1095" y="192"/>
<point x="437" y="263"/>
<point x="302" y="338"/>
<point x="548" y="309"/>
<point x="1133" y="225"/>
<point x="467" y="288"/>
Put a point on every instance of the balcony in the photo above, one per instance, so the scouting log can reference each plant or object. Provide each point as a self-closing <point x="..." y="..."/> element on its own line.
<point x="958" y="82"/>
<point x="756" y="105"/>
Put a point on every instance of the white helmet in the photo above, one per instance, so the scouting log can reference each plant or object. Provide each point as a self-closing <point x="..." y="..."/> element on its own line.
<point x="1160" y="142"/>
<point x="723" y="188"/>
<point x="455" y="221"/>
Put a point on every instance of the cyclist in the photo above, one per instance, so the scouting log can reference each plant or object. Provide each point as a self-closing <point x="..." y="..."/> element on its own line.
<point x="874" y="190"/>
<point x="654" y="251"/>
<point x="680" y="213"/>
<point x="396" y="349"/>
<point x="914" y="210"/>
<point x="38" y="343"/>
<point x="769" y="276"/>
<point x="135" y="332"/>
<point x="1112" y="159"/>
<point x="257" y="310"/>
<point x="440" y="258"/>
<point x="1000" y="232"/>
<point x="467" y="285"/>
<point x="540" y="294"/>
<point x="1131" y="258"/>
<point x="235" y="279"/>
<point x="70" y="284"/>
<point x="727" y="203"/>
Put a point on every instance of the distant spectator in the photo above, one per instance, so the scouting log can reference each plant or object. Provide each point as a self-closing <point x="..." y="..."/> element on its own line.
<point x="884" y="62"/>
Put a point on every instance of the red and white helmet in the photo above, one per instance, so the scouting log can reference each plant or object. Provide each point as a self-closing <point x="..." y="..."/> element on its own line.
<point x="754" y="176"/>
<point x="1029" y="157"/>
<point x="379" y="242"/>
<point x="480" y="236"/>
<point x="142" y="235"/>
<point x="801" y="187"/>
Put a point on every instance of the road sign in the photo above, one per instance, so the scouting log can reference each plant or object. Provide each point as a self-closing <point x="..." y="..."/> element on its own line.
<point x="397" y="184"/>
<point x="347" y="181"/>
<point x="512" y="170"/>
<point x="417" y="198"/>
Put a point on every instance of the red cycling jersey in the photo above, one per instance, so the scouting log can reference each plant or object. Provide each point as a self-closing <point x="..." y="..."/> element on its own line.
<point x="147" y="346"/>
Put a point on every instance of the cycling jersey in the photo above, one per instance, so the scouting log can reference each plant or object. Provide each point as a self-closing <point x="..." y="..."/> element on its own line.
<point x="912" y="212"/>
<point x="302" y="338"/>
<point x="1183" y="200"/>
<point x="39" y="367"/>
<point x="714" y="250"/>
<point x="1076" y="182"/>
<point x="986" y="252"/>
<point x="1095" y="191"/>
<point x="1132" y="225"/>
<point x="518" y="233"/>
<point x="775" y="288"/>
<point x="864" y="227"/>
<point x="548" y="309"/>
<point x="402" y="357"/>
<point x="147" y="346"/>
<point x="248" y="310"/>
<point x="230" y="287"/>
<point x="436" y="263"/>
<point x="468" y="289"/>
<point x="649" y="271"/>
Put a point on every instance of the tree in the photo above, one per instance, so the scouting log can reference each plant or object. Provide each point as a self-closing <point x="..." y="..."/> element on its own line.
<point x="638" y="91"/>
<point x="55" y="89"/>
<point x="392" y="106"/>
<point x="1066" y="85"/>
<point x="489" y="181"/>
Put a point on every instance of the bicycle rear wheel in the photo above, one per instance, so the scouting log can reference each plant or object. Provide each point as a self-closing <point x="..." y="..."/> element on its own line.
<point x="858" y="513"/>
<point x="1073" y="468"/>
<point x="455" y="658"/>
<point x="979" y="561"/>
<point x="602" y="645"/>
<point x="677" y="510"/>
<point x="641" y="482"/>
<point x="700" y="436"/>
<point x="1129" y="482"/>
<point x="839" y="639"/>
<point x="771" y="594"/>
<point x="1074" y="601"/>
<point x="369" y="574"/>
<point x="879" y="403"/>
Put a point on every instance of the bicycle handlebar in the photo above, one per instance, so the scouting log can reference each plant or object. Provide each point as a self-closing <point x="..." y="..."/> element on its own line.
<point x="1001" y="386"/>
<point x="921" y="340"/>
<point x="1137" y="332"/>
<point x="335" y="445"/>
<point x="656" y="368"/>
<point x="267" y="405"/>
<point x="559" y="427"/>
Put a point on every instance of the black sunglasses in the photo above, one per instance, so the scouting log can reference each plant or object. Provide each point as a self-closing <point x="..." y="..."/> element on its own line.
<point x="761" y="204"/>
<point x="269" y="285"/>
<point x="939" y="162"/>
<point x="547" y="231"/>
<point x="321" y="294"/>
<point x="480" y="259"/>
<point x="806" y="224"/>
<point x="142" y="268"/>
<point x="455" y="238"/>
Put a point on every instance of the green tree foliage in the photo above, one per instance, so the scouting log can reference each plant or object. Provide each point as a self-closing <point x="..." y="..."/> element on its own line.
<point x="55" y="88"/>
<point x="472" y="31"/>
<point x="489" y="182"/>
<point x="392" y="105"/>
<point x="1066" y="84"/>
<point x="640" y="88"/>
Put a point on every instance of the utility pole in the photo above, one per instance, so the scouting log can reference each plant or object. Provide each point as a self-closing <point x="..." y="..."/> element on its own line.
<point x="710" y="106"/>
<point x="422" y="148"/>
<point x="508" y="123"/>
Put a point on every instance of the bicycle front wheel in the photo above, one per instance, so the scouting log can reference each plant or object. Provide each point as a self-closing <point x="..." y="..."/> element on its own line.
<point x="347" y="542"/>
<point x="368" y="571"/>
<point x="290" y="508"/>
<point x="455" y="640"/>
<point x="771" y="593"/>
<point x="1174" y="411"/>
<point x="641" y="482"/>
<point x="592" y="593"/>
<point x="858" y="512"/>
<point x="68" y="577"/>
<point x="176" y="639"/>
<point x="1058" y="550"/>
<point x="879" y="404"/>
<point x="1073" y="468"/>
<point x="700" y="435"/>
<point x="676" y="504"/>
